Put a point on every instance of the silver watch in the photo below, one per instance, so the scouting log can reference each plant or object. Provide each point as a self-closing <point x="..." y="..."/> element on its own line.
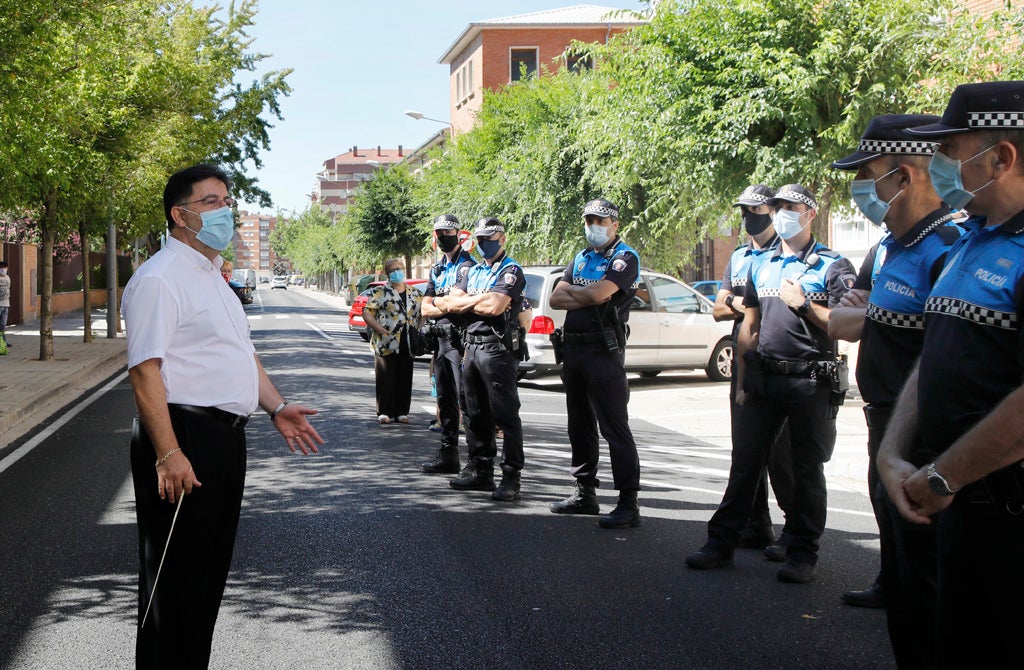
<point x="938" y="483"/>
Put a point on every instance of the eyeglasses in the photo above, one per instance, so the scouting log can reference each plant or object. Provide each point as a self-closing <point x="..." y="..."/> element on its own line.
<point x="212" y="201"/>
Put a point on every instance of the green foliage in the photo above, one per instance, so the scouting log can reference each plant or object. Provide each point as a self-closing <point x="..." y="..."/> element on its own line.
<point x="311" y="241"/>
<point x="386" y="218"/>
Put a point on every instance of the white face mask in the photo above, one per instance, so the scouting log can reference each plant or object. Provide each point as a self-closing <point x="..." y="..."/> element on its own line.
<point x="3" y="271"/>
<point x="787" y="223"/>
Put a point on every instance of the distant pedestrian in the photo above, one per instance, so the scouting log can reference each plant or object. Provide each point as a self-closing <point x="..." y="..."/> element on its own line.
<point x="5" y="300"/>
<point x="391" y="310"/>
<point x="196" y="378"/>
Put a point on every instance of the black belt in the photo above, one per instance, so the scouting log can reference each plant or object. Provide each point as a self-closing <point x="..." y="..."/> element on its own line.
<point x="794" y="368"/>
<point x="482" y="339"/>
<point x="583" y="338"/>
<point x="214" y="413"/>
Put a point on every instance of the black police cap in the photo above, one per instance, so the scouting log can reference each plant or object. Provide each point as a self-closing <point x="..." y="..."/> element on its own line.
<point x="601" y="207"/>
<point x="446" y="222"/>
<point x="992" y="105"/>
<point x="487" y="226"/>
<point x="887" y="134"/>
<point x="795" y="193"/>
<point x="754" y="195"/>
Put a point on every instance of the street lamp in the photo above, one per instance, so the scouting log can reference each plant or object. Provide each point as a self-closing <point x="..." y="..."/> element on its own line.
<point x="419" y="115"/>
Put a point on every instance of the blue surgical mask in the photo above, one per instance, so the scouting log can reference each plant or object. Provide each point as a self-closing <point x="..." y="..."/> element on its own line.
<point x="948" y="180"/>
<point x="396" y="276"/>
<point x="489" y="248"/>
<point x="866" y="197"/>
<point x="787" y="223"/>
<point x="597" y="235"/>
<point x="218" y="228"/>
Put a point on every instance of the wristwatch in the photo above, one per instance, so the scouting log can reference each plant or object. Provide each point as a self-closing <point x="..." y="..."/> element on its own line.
<point x="938" y="483"/>
<point x="803" y="309"/>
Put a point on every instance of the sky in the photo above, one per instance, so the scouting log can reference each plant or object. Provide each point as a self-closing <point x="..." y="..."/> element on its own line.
<point x="357" y="67"/>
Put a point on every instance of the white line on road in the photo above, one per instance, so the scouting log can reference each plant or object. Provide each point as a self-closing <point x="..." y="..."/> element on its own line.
<point x="58" y="424"/>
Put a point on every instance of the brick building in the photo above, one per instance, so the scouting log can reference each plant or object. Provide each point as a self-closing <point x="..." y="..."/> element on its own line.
<point x="344" y="173"/>
<point x="251" y="244"/>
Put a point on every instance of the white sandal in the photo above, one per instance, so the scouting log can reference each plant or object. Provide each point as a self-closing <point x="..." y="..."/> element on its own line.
<point x="383" y="418"/>
<point x="403" y="419"/>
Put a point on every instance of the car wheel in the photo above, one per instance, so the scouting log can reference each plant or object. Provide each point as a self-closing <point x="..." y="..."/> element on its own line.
<point x="719" y="367"/>
<point x="649" y="374"/>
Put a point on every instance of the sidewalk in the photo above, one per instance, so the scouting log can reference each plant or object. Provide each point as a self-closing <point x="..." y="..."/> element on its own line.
<point x="32" y="390"/>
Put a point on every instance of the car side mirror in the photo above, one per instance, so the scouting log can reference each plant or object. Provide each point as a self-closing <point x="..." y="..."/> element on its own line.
<point x="705" y="308"/>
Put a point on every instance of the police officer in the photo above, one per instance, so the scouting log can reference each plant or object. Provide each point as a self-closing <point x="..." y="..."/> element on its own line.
<point x="596" y="291"/>
<point x="885" y="311"/>
<point x="964" y="402"/>
<point x="787" y="370"/>
<point x="756" y="214"/>
<point x="489" y="295"/>
<point x="447" y="364"/>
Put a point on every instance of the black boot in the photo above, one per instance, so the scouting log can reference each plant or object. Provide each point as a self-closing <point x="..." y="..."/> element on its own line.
<point x="446" y="462"/>
<point x="582" y="501"/>
<point x="508" y="488"/>
<point x="625" y="515"/>
<point x="478" y="475"/>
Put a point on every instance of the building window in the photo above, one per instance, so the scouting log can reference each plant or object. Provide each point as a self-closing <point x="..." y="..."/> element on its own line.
<point x="578" y="63"/>
<point x="522" y="61"/>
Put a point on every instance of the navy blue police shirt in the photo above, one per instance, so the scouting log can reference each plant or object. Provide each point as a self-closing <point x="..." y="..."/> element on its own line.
<point x="825" y="277"/>
<point x="973" y="352"/>
<point x="737" y="269"/>
<point x="444" y="275"/>
<point x="504" y="276"/>
<point x="619" y="263"/>
<point x="899" y="273"/>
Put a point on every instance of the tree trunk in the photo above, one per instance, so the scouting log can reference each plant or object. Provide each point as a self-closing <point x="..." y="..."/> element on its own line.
<point x="47" y="233"/>
<point x="113" y="318"/>
<point x="83" y="238"/>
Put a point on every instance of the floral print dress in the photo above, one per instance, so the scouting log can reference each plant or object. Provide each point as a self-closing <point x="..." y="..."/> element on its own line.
<point x="385" y="303"/>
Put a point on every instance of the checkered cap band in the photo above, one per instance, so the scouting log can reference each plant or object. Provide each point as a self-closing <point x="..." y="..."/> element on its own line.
<point x="906" y="147"/>
<point x="971" y="312"/>
<point x="750" y="194"/>
<point x="601" y="210"/>
<point x="995" y="120"/>
<point x="797" y="197"/>
<point x="895" y="319"/>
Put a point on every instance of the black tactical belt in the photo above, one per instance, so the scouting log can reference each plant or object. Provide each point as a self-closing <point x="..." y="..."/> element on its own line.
<point x="794" y="368"/>
<point x="582" y="338"/>
<point x="481" y="339"/>
<point x="215" y="414"/>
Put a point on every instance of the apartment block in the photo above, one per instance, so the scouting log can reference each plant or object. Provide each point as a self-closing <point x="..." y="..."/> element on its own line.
<point x="345" y="173"/>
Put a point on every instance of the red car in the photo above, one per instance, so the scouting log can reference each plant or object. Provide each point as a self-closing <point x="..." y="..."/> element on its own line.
<point x="355" y="313"/>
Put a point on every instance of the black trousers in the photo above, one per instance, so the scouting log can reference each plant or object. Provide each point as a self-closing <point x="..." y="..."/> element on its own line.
<point x="806" y="405"/>
<point x="492" y="401"/>
<point x="393" y="374"/>
<point x="179" y="630"/>
<point x="597" y="395"/>
<point x="448" y="382"/>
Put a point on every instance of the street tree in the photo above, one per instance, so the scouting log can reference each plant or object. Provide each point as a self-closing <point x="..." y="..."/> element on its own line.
<point x="386" y="218"/>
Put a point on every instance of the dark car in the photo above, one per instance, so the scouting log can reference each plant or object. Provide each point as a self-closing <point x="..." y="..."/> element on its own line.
<point x="243" y="292"/>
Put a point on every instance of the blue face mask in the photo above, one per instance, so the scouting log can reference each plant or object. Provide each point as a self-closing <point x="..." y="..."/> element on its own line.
<point x="218" y="228"/>
<point x="787" y="223"/>
<point x="597" y="235"/>
<point x="489" y="248"/>
<point x="396" y="276"/>
<point x="948" y="180"/>
<point x="867" y="200"/>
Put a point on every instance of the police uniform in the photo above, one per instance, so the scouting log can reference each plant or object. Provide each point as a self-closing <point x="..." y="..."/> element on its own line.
<point x="797" y="361"/>
<point x="489" y="370"/>
<point x="758" y="531"/>
<point x="596" y="391"/>
<point x="447" y="364"/>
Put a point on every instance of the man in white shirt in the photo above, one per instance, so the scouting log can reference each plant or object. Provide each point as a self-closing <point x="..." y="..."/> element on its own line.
<point x="196" y="378"/>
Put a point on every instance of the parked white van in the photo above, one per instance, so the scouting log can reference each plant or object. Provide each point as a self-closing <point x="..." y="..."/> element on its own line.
<point x="247" y="277"/>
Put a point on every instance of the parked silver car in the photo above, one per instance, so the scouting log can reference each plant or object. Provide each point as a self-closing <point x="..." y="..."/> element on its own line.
<point x="670" y="324"/>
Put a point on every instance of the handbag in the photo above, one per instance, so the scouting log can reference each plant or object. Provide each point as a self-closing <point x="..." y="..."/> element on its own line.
<point x="417" y="341"/>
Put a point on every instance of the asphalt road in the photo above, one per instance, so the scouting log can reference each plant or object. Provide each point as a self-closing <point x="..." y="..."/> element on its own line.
<point x="354" y="559"/>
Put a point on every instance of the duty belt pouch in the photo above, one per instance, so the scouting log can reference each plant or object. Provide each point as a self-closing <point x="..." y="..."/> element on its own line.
<point x="839" y="375"/>
<point x="753" y="377"/>
<point x="523" y="353"/>
<point x="557" y="344"/>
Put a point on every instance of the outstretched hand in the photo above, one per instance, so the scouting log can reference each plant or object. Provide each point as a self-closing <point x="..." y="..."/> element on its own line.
<point x="296" y="430"/>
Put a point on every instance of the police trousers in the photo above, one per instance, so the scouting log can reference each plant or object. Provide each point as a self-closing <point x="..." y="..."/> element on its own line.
<point x="806" y="404"/>
<point x="492" y="401"/>
<point x="597" y="395"/>
<point x="448" y="382"/>
<point x="179" y="629"/>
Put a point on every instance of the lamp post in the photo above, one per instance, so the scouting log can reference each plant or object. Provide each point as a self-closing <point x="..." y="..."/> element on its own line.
<point x="419" y="115"/>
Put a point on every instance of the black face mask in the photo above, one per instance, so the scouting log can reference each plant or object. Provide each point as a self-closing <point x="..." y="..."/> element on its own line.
<point x="755" y="224"/>
<point x="447" y="242"/>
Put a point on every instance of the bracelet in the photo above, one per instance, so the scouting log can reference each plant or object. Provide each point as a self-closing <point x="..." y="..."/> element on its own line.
<point x="163" y="459"/>
<point x="273" y="415"/>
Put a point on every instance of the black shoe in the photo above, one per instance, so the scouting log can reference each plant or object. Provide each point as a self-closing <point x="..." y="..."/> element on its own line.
<point x="873" y="598"/>
<point x="795" y="571"/>
<point x="476" y="476"/>
<point x="756" y="538"/>
<point x="775" y="552"/>
<point x="625" y="515"/>
<point x="582" y="501"/>
<point x="445" y="462"/>
<point x="709" y="558"/>
<point x="508" y="488"/>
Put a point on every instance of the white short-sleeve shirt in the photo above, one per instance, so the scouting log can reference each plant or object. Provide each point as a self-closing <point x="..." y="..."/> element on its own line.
<point x="178" y="308"/>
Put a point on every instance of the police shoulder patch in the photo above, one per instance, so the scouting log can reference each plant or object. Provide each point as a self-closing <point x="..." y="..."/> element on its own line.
<point x="848" y="280"/>
<point x="579" y="268"/>
<point x="619" y="264"/>
<point x="510" y="278"/>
